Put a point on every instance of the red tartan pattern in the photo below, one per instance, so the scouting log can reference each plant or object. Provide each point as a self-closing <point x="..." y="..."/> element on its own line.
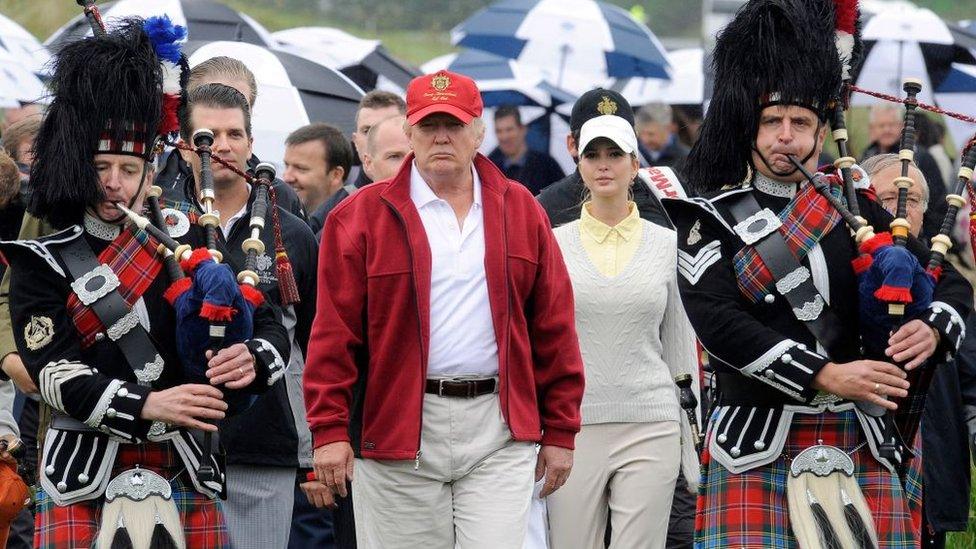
<point x="76" y="525"/>
<point x="750" y="510"/>
<point x="805" y="220"/>
<point x="132" y="257"/>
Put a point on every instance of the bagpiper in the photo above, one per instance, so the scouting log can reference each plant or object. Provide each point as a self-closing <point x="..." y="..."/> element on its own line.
<point x="92" y="322"/>
<point x="791" y="459"/>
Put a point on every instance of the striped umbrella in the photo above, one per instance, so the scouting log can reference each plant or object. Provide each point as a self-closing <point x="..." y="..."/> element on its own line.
<point x="686" y="86"/>
<point x="577" y="44"/>
<point x="204" y="20"/>
<point x="292" y="92"/>
<point x="366" y="62"/>
<point x="22" y="46"/>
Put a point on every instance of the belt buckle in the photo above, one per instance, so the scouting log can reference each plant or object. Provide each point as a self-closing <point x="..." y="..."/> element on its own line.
<point x="472" y="387"/>
<point x="440" y="387"/>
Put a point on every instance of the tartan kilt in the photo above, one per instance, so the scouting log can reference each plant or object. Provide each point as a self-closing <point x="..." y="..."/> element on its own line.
<point x="76" y="525"/>
<point x="750" y="510"/>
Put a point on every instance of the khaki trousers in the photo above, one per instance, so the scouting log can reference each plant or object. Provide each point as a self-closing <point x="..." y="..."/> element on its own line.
<point x="626" y="470"/>
<point x="471" y="490"/>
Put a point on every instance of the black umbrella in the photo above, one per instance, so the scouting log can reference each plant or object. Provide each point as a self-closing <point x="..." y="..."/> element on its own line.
<point x="204" y="20"/>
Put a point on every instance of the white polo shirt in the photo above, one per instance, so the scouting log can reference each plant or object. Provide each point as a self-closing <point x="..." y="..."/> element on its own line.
<point x="462" y="338"/>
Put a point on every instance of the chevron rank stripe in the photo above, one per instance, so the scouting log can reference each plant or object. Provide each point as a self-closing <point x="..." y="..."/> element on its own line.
<point x="692" y="267"/>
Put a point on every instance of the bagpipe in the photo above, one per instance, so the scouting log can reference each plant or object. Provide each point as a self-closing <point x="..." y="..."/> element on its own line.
<point x="893" y="285"/>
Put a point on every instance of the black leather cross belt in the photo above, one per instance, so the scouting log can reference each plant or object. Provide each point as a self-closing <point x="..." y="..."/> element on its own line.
<point x="462" y="388"/>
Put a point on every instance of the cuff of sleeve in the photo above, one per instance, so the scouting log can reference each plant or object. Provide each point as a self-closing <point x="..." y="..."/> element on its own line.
<point x="117" y="411"/>
<point x="268" y="364"/>
<point x="327" y="434"/>
<point x="950" y="325"/>
<point x="564" y="438"/>
<point x="788" y="367"/>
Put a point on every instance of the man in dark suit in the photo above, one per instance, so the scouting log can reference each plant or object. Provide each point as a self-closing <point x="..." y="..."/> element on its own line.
<point x="656" y="136"/>
<point x="534" y="169"/>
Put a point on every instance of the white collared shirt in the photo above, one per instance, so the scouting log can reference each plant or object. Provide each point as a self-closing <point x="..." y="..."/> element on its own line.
<point x="226" y="226"/>
<point x="462" y="337"/>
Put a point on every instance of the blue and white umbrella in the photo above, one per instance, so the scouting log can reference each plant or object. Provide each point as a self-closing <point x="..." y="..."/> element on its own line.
<point x="577" y="44"/>
<point x="958" y="93"/>
<point x="22" y="46"/>
<point x="292" y="92"/>
<point x="686" y="86"/>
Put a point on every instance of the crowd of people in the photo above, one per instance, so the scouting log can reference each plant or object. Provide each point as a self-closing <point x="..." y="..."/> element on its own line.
<point x="443" y="348"/>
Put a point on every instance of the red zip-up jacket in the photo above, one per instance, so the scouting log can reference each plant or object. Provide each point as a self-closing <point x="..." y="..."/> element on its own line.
<point x="367" y="355"/>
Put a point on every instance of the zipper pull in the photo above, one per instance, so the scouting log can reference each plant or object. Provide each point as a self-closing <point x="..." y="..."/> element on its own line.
<point x="416" y="461"/>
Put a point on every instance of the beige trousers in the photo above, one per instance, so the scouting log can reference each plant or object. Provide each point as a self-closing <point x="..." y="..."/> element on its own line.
<point x="624" y="470"/>
<point x="471" y="490"/>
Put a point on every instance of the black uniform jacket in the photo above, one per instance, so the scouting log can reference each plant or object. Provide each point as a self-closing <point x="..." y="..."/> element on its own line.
<point x="95" y="387"/>
<point x="273" y="431"/>
<point x="765" y="358"/>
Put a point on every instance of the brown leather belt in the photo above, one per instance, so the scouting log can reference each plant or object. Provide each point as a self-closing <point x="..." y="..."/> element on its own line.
<point x="462" y="388"/>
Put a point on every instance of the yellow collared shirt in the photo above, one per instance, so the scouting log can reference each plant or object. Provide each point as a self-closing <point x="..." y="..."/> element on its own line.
<point x="610" y="248"/>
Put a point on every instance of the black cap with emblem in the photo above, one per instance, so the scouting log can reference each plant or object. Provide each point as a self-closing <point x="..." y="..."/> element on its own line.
<point x="599" y="102"/>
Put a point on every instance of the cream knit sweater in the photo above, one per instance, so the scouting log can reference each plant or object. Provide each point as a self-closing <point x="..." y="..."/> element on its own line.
<point x="634" y="334"/>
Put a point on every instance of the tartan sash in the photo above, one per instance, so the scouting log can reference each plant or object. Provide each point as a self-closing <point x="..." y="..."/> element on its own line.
<point x="805" y="220"/>
<point x="132" y="258"/>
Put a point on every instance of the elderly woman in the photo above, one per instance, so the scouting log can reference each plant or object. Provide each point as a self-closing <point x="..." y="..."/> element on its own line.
<point x="634" y="338"/>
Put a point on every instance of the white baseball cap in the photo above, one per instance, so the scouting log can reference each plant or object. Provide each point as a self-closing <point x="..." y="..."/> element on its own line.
<point x="612" y="127"/>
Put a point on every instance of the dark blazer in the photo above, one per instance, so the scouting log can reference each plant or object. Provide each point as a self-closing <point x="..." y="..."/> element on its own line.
<point x="537" y="171"/>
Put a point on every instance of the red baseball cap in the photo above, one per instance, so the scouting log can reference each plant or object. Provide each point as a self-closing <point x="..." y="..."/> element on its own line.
<point x="443" y="91"/>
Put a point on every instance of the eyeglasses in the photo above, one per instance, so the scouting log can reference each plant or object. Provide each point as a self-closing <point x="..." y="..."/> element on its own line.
<point x="913" y="202"/>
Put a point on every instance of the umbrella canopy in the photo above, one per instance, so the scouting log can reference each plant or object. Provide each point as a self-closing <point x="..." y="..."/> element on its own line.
<point x="686" y="86"/>
<point x="577" y="44"/>
<point x="292" y="92"/>
<point x="22" y="46"/>
<point x="204" y="20"/>
<point x="18" y="84"/>
<point x="910" y="42"/>
<point x="958" y="93"/>
<point x="366" y="62"/>
<point x="502" y="81"/>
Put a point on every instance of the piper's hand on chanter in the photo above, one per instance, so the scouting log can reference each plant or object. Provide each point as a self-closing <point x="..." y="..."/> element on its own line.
<point x="189" y="405"/>
<point x="867" y="380"/>
<point x="233" y="367"/>
<point x="913" y="343"/>
<point x="333" y="465"/>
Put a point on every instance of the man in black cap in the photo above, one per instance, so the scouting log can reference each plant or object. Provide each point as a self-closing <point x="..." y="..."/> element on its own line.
<point x="563" y="199"/>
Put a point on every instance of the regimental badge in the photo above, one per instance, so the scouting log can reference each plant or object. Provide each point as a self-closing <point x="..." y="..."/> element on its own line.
<point x="440" y="81"/>
<point x="694" y="235"/>
<point x="39" y="332"/>
<point x="177" y="223"/>
<point x="606" y="106"/>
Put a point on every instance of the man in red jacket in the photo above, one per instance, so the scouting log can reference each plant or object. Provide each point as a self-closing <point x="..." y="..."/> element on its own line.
<point x="444" y="346"/>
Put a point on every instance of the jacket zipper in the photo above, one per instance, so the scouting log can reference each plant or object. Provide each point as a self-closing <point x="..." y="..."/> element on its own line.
<point x="508" y="323"/>
<point x="420" y="334"/>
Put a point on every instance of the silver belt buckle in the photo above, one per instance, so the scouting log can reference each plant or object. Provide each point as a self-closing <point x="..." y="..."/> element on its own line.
<point x="440" y="387"/>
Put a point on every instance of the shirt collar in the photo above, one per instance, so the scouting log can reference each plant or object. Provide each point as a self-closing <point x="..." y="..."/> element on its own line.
<point x="627" y="228"/>
<point x="422" y="194"/>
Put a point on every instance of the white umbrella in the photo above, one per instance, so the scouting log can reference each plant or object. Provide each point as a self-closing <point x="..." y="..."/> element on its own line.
<point x="958" y="93"/>
<point x="366" y="62"/>
<point x="18" y="84"/>
<point x="686" y="86"/>
<point x="292" y="92"/>
<point x="904" y="42"/>
<point x="204" y="20"/>
<point x="22" y="46"/>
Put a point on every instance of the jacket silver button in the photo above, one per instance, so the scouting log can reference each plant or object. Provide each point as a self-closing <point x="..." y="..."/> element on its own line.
<point x="122" y="392"/>
<point x="734" y="452"/>
<point x="769" y="298"/>
<point x="99" y="336"/>
<point x="786" y="358"/>
<point x="801" y="346"/>
<point x="62" y="486"/>
<point x="770" y="374"/>
<point x="83" y="478"/>
<point x="110" y="412"/>
<point x="49" y="469"/>
<point x="759" y="445"/>
<point x="722" y="437"/>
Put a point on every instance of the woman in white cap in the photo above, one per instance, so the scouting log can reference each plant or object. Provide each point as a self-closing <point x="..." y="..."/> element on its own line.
<point x="635" y="338"/>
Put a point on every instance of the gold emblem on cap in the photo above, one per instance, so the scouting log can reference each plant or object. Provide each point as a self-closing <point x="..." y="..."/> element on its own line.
<point x="440" y="81"/>
<point x="39" y="332"/>
<point x="606" y="106"/>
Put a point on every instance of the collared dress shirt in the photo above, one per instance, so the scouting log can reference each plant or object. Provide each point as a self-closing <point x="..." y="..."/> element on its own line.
<point x="462" y="337"/>
<point x="610" y="248"/>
